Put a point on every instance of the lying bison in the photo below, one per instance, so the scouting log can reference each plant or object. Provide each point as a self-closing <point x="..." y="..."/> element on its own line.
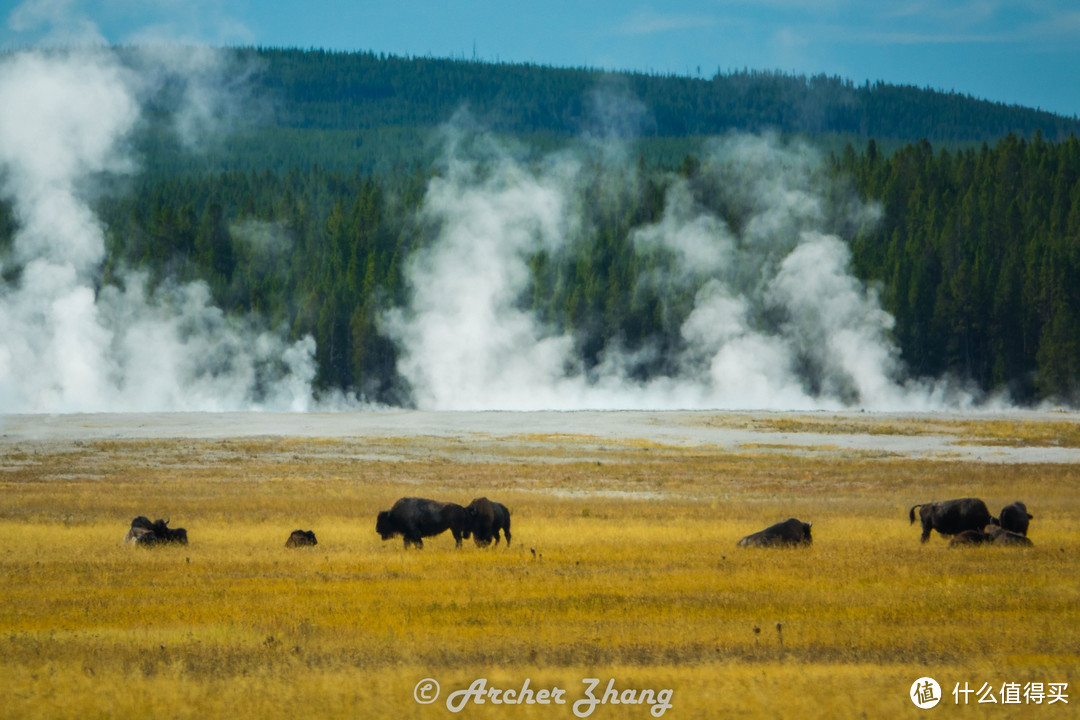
<point x="301" y="538"/>
<point x="951" y="517"/>
<point x="969" y="537"/>
<point x="1001" y="536"/>
<point x="144" y="532"/>
<point x="417" y="518"/>
<point x="486" y="519"/>
<point x="993" y="536"/>
<point x="1015" y="518"/>
<point x="789" y="532"/>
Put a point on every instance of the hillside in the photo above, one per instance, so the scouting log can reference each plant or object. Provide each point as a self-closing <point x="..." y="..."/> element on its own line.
<point x="374" y="112"/>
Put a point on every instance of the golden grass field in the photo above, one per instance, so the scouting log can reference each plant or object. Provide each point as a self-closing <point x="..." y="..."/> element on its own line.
<point x="623" y="566"/>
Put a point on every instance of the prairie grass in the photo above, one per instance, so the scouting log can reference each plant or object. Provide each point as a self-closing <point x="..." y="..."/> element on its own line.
<point x="623" y="565"/>
<point x="981" y="431"/>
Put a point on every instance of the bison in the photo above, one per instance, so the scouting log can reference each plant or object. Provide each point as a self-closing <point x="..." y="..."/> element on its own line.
<point x="788" y="532"/>
<point x="1001" y="536"/>
<point x="486" y="518"/>
<point x="970" y="537"/>
<point x="1015" y="518"/>
<point x="301" y="538"/>
<point x="417" y="518"/>
<point x="951" y="517"/>
<point x="144" y="532"/>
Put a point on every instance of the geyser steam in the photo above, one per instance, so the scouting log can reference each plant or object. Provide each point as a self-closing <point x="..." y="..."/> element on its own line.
<point x="778" y="322"/>
<point x="65" y="344"/>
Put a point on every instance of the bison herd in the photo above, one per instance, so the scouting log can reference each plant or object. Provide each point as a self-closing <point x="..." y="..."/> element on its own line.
<point x="970" y="523"/>
<point x="417" y="518"/>
<point x="967" y="520"/>
<point x="412" y="518"/>
<point x="144" y="532"/>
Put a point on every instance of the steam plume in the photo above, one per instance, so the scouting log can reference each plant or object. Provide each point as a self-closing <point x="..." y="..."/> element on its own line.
<point x="68" y="345"/>
<point x="779" y="321"/>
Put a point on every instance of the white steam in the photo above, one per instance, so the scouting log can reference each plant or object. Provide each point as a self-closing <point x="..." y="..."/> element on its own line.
<point x="779" y="321"/>
<point x="463" y="331"/>
<point x="67" y="345"/>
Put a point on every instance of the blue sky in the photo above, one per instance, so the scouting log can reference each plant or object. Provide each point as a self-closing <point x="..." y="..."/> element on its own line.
<point x="1022" y="51"/>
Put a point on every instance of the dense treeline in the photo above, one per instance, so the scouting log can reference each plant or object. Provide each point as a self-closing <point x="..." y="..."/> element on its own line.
<point x="346" y="91"/>
<point x="306" y="108"/>
<point x="314" y="253"/>
<point x="977" y="254"/>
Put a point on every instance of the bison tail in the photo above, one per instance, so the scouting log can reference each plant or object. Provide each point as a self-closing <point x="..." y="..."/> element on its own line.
<point x="911" y="513"/>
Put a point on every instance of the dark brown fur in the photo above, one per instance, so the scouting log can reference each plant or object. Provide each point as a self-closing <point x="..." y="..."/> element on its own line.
<point x="144" y="532"/>
<point x="951" y="517"/>
<point x="486" y="518"/>
<point x="418" y="518"/>
<point x="1001" y="536"/>
<point x="970" y="537"/>
<point x="301" y="538"/>
<point x="788" y="532"/>
<point x="1015" y="518"/>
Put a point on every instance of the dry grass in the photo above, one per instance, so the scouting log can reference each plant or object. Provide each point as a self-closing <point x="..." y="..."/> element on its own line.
<point x="982" y="431"/>
<point x="635" y="577"/>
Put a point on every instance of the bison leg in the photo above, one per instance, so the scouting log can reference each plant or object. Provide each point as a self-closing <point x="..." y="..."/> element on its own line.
<point x="457" y="538"/>
<point x="927" y="527"/>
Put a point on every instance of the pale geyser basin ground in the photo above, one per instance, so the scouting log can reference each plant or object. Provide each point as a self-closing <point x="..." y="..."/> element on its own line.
<point x="920" y="435"/>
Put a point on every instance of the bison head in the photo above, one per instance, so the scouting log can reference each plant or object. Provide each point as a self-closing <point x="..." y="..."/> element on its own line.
<point x="384" y="526"/>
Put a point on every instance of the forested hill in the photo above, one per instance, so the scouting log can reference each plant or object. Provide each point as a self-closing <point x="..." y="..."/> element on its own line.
<point x="341" y="91"/>
<point x="374" y="112"/>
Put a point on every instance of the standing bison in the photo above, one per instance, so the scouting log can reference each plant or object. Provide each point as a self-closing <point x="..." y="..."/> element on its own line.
<point x="1015" y="518"/>
<point x="418" y="518"/>
<point x="144" y="532"/>
<point x="301" y="538"/>
<point x="486" y="519"/>
<point x="952" y="517"/>
<point x="788" y="532"/>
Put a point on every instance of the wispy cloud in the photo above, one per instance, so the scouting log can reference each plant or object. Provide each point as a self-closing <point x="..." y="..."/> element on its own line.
<point x="149" y="22"/>
<point x="648" y="22"/>
<point x="917" y="22"/>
